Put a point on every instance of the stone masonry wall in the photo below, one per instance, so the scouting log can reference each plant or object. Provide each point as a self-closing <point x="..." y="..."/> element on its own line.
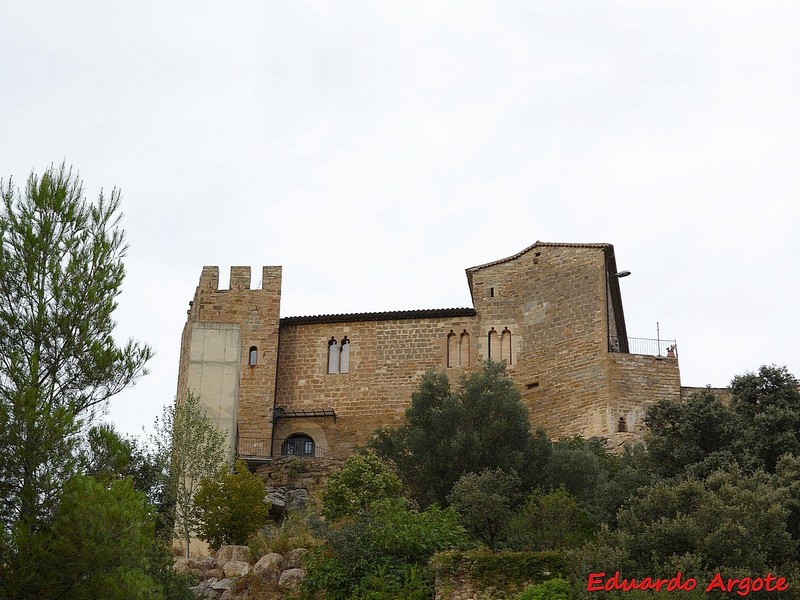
<point x="724" y="394"/>
<point x="555" y="299"/>
<point x="387" y="361"/>
<point x="638" y="382"/>
<point x="551" y="298"/>
<point x="553" y="302"/>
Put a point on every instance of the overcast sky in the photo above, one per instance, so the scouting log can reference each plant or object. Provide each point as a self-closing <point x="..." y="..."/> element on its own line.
<point x="377" y="149"/>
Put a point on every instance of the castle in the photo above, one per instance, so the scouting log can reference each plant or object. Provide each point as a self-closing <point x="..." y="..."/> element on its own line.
<point x="319" y="385"/>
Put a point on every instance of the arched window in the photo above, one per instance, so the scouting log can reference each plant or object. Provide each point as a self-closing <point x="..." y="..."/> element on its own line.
<point x="299" y="444"/>
<point x="333" y="356"/>
<point x="344" y="362"/>
<point x="622" y="427"/>
<point x="492" y="349"/>
<point x="451" y="350"/>
<point x="338" y="355"/>
<point x="253" y="360"/>
<point x="505" y="346"/>
<point x="463" y="349"/>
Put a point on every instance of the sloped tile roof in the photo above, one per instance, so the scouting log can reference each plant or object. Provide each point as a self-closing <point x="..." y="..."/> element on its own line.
<point x="430" y="313"/>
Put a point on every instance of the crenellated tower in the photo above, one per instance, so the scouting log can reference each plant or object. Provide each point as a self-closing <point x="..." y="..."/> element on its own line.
<point x="229" y="351"/>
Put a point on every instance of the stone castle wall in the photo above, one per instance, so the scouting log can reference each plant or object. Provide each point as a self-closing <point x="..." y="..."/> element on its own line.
<point x="387" y="361"/>
<point x="638" y="382"/>
<point x="547" y="312"/>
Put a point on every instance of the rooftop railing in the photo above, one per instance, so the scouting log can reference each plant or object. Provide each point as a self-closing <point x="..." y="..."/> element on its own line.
<point x="648" y="346"/>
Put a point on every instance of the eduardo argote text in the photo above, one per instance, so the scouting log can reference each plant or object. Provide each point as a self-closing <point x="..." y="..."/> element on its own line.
<point x="600" y="582"/>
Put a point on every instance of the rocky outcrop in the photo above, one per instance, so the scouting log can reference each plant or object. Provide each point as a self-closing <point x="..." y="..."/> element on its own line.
<point x="219" y="574"/>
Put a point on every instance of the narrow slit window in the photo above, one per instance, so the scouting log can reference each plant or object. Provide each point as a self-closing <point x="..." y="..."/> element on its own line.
<point x="253" y="360"/>
<point x="463" y="349"/>
<point x="451" y="350"/>
<point x="505" y="346"/>
<point x="344" y="362"/>
<point x="333" y="356"/>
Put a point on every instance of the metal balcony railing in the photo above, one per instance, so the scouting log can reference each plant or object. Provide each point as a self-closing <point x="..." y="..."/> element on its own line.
<point x="253" y="447"/>
<point x="259" y="448"/>
<point x="648" y="346"/>
<point x="319" y="452"/>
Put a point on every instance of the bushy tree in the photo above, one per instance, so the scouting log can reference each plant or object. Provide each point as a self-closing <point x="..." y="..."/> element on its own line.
<point x="730" y="522"/>
<point x="703" y="434"/>
<point x="576" y="466"/>
<point x="699" y="430"/>
<point x="482" y="424"/>
<point x="382" y="552"/>
<point x="631" y="472"/>
<point x="363" y="479"/>
<point x="549" y="521"/>
<point x="60" y="273"/>
<point x="190" y="448"/>
<point x="768" y="406"/>
<point x="231" y="507"/>
<point x="97" y="546"/>
<point x="485" y="501"/>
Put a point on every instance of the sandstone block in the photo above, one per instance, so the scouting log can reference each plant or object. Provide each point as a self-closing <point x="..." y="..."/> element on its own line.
<point x="236" y="568"/>
<point x="269" y="566"/>
<point x="228" y="553"/>
<point x="291" y="578"/>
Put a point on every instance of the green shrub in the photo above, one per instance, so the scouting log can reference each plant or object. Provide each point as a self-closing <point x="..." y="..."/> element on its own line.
<point x="551" y="521"/>
<point x="294" y="532"/>
<point x="381" y="553"/>
<point x="484" y="502"/>
<point x="231" y="507"/>
<point x="502" y="570"/>
<point x="363" y="480"/>
<point x="553" y="589"/>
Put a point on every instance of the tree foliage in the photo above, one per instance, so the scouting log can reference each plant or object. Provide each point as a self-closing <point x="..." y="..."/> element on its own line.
<point x="97" y="546"/>
<point x="60" y="273"/>
<point x="485" y="501"/>
<point x="730" y="522"/>
<point x="549" y="521"/>
<point x="363" y="479"/>
<point x="704" y="434"/>
<point x="482" y="424"/>
<point x="193" y="449"/>
<point x="381" y="552"/>
<point x="768" y="406"/>
<point x="231" y="507"/>
<point x="700" y="433"/>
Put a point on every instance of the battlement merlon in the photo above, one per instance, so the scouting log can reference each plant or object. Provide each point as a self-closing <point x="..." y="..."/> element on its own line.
<point x="239" y="283"/>
<point x="240" y="279"/>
